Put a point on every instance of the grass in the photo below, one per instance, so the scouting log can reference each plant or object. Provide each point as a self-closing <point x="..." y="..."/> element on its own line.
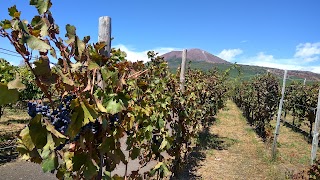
<point x="12" y="122"/>
<point x="234" y="151"/>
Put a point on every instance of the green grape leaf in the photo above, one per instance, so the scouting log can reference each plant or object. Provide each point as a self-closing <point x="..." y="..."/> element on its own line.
<point x="163" y="144"/>
<point x="67" y="156"/>
<point x="114" y="105"/>
<point x="80" y="46"/>
<point x="158" y="165"/>
<point x="92" y="65"/>
<point x="165" y="169"/>
<point x="90" y="170"/>
<point x="48" y="148"/>
<point x="39" y="24"/>
<point x="8" y="95"/>
<point x="71" y="33"/>
<point x="36" y="44"/>
<point x="76" y="66"/>
<point x="5" y="24"/>
<point x="22" y="25"/>
<point x="13" y="12"/>
<point x="50" y="163"/>
<point x="89" y="113"/>
<point x="79" y="160"/>
<point x="107" y="175"/>
<point x="135" y="153"/>
<point x="35" y="21"/>
<point x="112" y="75"/>
<point x="107" y="145"/>
<point x="42" y="67"/>
<point x="37" y="130"/>
<point x="76" y="122"/>
<point x="41" y="5"/>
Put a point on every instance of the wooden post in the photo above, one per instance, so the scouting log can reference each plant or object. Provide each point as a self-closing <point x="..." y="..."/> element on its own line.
<point x="315" y="140"/>
<point x="105" y="34"/>
<point x="304" y="82"/>
<point x="183" y="69"/>
<point x="276" y="133"/>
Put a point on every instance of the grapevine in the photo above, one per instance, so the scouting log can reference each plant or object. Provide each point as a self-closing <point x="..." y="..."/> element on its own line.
<point x="258" y="98"/>
<point x="97" y="105"/>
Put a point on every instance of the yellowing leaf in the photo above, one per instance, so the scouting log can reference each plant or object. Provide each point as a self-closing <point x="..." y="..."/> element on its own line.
<point x="51" y="129"/>
<point x="16" y="84"/>
<point x="101" y="108"/>
<point x="92" y="65"/>
<point x="26" y="139"/>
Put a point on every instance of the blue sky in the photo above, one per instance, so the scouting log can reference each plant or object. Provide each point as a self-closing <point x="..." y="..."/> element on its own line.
<point x="275" y="33"/>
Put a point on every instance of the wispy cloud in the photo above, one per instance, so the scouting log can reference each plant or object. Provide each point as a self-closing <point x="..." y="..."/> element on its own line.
<point x="133" y="55"/>
<point x="267" y="60"/>
<point x="229" y="54"/>
<point x="305" y="58"/>
<point x="244" y="41"/>
<point x="308" y="52"/>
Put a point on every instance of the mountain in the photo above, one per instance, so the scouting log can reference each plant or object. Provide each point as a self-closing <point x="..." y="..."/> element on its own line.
<point x="201" y="59"/>
<point x="195" y="55"/>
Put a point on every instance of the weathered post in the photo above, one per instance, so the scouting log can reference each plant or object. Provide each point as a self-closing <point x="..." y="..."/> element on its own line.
<point x="304" y="82"/>
<point x="276" y="133"/>
<point x="315" y="139"/>
<point x="183" y="69"/>
<point x="104" y="36"/>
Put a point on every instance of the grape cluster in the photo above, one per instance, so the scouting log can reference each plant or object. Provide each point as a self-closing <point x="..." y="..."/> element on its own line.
<point x="60" y="117"/>
<point x="91" y="126"/>
<point x="114" y="119"/>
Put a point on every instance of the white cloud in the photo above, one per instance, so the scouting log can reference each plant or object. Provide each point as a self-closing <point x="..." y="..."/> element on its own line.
<point x="229" y="54"/>
<point x="244" y="41"/>
<point x="308" y="52"/>
<point x="261" y="56"/>
<point x="306" y="58"/>
<point x="133" y="55"/>
<point x="267" y="60"/>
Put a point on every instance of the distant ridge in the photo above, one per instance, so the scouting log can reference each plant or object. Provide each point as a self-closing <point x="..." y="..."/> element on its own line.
<point x="201" y="59"/>
<point x="195" y="55"/>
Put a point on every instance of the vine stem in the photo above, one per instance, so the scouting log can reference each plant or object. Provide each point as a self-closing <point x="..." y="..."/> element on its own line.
<point x="26" y="60"/>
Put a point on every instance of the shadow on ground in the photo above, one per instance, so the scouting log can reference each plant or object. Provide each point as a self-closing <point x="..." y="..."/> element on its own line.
<point x="297" y="129"/>
<point x="7" y="155"/>
<point x="15" y="121"/>
<point x="205" y="141"/>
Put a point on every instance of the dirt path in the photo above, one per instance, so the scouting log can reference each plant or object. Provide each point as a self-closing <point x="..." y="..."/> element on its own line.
<point x="242" y="156"/>
<point x="23" y="170"/>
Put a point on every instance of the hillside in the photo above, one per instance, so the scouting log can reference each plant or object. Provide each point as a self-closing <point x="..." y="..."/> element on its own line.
<point x="198" y="61"/>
